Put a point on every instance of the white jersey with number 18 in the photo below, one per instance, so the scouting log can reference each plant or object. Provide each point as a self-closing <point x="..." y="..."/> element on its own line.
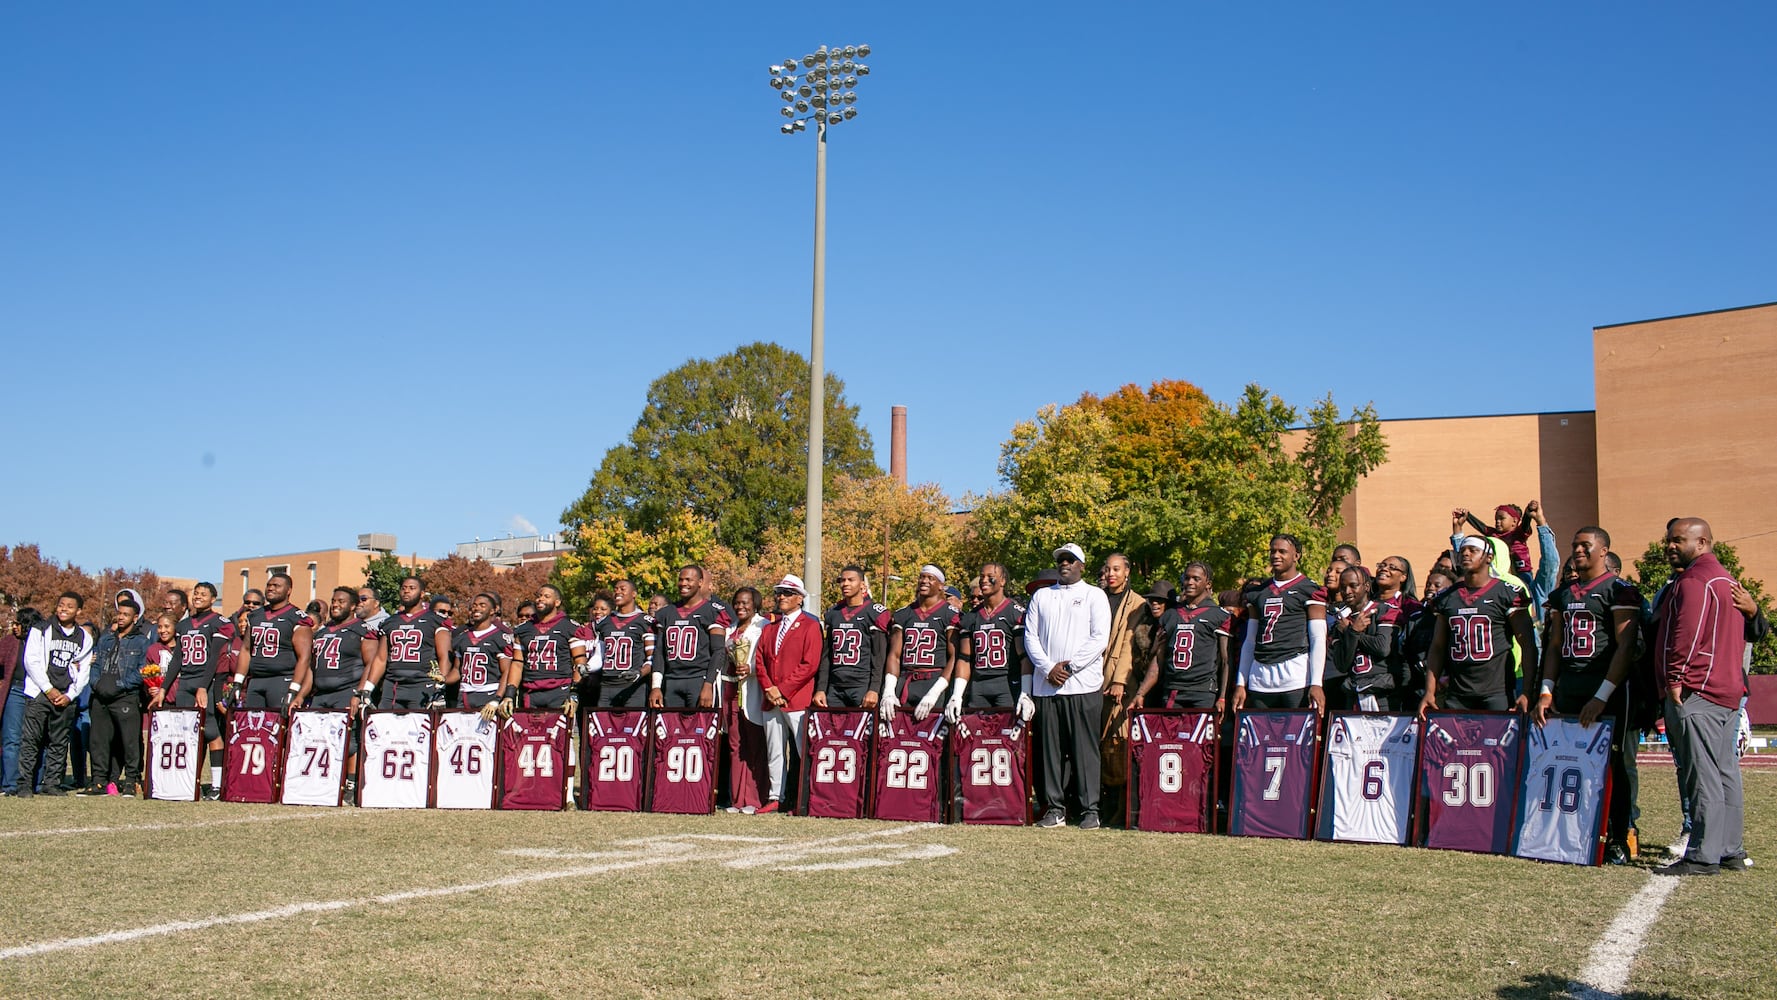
<point x="1561" y="806"/>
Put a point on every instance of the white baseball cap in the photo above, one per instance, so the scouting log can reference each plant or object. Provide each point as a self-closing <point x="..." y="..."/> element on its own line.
<point x="791" y="582"/>
<point x="1072" y="550"/>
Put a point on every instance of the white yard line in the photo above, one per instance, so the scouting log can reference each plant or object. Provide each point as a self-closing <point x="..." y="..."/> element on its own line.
<point x="149" y="827"/>
<point x="1606" y="972"/>
<point x="409" y="895"/>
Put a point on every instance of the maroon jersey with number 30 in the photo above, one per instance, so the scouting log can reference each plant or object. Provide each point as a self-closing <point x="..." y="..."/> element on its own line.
<point x="1172" y="758"/>
<point x="616" y="758"/>
<point x="992" y="751"/>
<point x="684" y="762"/>
<point x="534" y="760"/>
<point x="1468" y="780"/>
<point x="253" y="757"/>
<point x="908" y="782"/>
<point x="834" y="764"/>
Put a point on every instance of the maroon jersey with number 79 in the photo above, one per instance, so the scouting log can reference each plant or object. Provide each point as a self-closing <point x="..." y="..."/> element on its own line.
<point x="253" y="757"/>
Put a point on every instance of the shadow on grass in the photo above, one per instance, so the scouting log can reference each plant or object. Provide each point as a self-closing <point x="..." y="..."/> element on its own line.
<point x="1556" y="988"/>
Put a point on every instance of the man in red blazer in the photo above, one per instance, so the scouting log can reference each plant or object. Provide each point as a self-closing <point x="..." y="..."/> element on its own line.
<point x="789" y="656"/>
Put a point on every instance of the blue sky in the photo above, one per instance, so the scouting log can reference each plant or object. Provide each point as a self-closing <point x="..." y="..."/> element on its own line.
<point x="270" y="277"/>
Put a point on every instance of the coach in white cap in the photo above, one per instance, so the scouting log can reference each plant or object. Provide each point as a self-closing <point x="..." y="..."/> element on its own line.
<point x="1064" y="639"/>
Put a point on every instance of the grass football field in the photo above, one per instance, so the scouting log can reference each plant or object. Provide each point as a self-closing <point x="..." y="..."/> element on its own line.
<point x="124" y="898"/>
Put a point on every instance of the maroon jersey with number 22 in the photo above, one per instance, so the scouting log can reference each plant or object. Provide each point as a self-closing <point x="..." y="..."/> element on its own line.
<point x="908" y="785"/>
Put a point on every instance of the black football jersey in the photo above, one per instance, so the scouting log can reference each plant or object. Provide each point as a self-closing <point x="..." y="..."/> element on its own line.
<point x="478" y="655"/>
<point x="1480" y="650"/>
<point x="1279" y="612"/>
<point x="1588" y="627"/>
<point x="682" y="636"/>
<point x="200" y="644"/>
<point x="925" y="636"/>
<point x="272" y="640"/>
<point x="995" y="635"/>
<point x="627" y="644"/>
<point x="1187" y="646"/>
<point x="548" y="650"/>
<point x="850" y="635"/>
<point x="411" y="640"/>
<point x="339" y="654"/>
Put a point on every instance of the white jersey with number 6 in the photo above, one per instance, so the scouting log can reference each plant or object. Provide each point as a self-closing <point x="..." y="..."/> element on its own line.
<point x="174" y="738"/>
<point x="315" y="765"/>
<point x="465" y="761"/>
<point x="397" y="757"/>
<point x="1367" y="780"/>
<point x="1561" y="806"/>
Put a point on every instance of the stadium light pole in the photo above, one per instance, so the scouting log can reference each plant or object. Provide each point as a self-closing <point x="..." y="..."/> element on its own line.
<point x="820" y="87"/>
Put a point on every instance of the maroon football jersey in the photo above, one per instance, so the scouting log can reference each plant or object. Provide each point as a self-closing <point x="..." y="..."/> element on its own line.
<point x="616" y="749"/>
<point x="909" y="775"/>
<point x="1275" y="758"/>
<point x="834" y="765"/>
<point x="684" y="761"/>
<point x="1468" y="779"/>
<point x="992" y="753"/>
<point x="1172" y="764"/>
<point x="534" y="761"/>
<point x="253" y="756"/>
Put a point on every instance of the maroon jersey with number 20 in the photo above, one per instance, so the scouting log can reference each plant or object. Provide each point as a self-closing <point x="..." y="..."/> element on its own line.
<point x="534" y="761"/>
<point x="616" y="751"/>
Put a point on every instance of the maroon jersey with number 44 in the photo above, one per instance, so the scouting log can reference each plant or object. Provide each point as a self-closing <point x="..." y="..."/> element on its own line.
<point x="834" y="764"/>
<point x="534" y="760"/>
<point x="253" y="756"/>
<point x="616" y="757"/>
<point x="908" y="782"/>
<point x="684" y="762"/>
<point x="992" y="751"/>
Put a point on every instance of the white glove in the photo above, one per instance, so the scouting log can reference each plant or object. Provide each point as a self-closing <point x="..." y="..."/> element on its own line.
<point x="930" y="701"/>
<point x="953" y="712"/>
<point x="886" y="710"/>
<point x="1026" y="707"/>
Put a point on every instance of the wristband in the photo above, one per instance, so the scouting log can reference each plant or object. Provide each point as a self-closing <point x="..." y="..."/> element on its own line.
<point x="240" y="678"/>
<point x="295" y="687"/>
<point x="1549" y="687"/>
<point x="656" y="679"/>
<point x="1605" y="690"/>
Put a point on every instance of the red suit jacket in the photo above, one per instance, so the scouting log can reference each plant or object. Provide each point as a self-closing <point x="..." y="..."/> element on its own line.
<point x="790" y="666"/>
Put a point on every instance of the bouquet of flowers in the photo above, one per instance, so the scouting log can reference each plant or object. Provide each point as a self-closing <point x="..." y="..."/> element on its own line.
<point x="151" y="676"/>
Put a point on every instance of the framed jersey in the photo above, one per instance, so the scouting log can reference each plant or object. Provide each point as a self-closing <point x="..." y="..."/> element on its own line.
<point x="395" y="762"/>
<point x="1468" y="774"/>
<point x="1565" y="793"/>
<point x="1366" y="778"/>
<point x="175" y="742"/>
<point x="533" y="752"/>
<point x="1275" y="758"/>
<point x="616" y="777"/>
<point x="1172" y="770"/>
<point x="836" y="762"/>
<point x="464" y="751"/>
<point x="684" y="778"/>
<point x="991" y="750"/>
<point x="315" y="758"/>
<point x="909" y="778"/>
<point x="252" y="756"/>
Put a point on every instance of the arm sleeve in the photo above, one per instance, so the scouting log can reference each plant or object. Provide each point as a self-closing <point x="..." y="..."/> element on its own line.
<point x="1246" y="655"/>
<point x="1317" y="651"/>
<point x="762" y="656"/>
<point x="802" y="672"/>
<point x="81" y="672"/>
<point x="1117" y="652"/>
<point x="718" y="659"/>
<point x="36" y="662"/>
<point x="823" y="674"/>
<point x="1377" y="643"/>
<point x="1757" y="627"/>
<point x="1098" y="630"/>
<point x="1480" y="528"/>
<point x="878" y="659"/>
<point x="1685" y="609"/>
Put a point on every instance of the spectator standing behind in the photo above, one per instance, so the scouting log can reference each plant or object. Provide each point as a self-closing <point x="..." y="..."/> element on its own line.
<point x="744" y="715"/>
<point x="1128" y="642"/>
<point x="789" y="656"/>
<point x="370" y="610"/>
<point x="1065" y="631"/>
<point x="1509" y="526"/>
<point x="58" y="656"/>
<point x="12" y="721"/>
<point x="116" y="706"/>
<point x="1700" y="645"/>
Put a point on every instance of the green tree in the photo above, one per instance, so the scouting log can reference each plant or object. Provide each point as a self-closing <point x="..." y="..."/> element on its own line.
<point x="1652" y="571"/>
<point x="1167" y="476"/>
<point x="607" y="550"/>
<point x="727" y="440"/>
<point x="860" y="517"/>
<point x="384" y="574"/>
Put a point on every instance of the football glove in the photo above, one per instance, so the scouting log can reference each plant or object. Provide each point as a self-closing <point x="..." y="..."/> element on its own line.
<point x="489" y="710"/>
<point x="436" y="674"/>
<point x="886" y="710"/>
<point x="231" y="693"/>
<point x="929" y="702"/>
<point x="506" y="708"/>
<point x="953" y="710"/>
<point x="1026" y="707"/>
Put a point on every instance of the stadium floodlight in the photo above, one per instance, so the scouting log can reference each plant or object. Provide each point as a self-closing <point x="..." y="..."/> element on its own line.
<point x="824" y="96"/>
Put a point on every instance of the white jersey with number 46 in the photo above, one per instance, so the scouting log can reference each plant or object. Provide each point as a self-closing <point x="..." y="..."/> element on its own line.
<point x="465" y="761"/>
<point x="397" y="760"/>
<point x="174" y="738"/>
<point x="314" y="766"/>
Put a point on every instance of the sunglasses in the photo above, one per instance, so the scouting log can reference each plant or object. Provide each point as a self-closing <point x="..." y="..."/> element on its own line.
<point x="255" y="604"/>
<point x="1064" y="560"/>
<point x="365" y="597"/>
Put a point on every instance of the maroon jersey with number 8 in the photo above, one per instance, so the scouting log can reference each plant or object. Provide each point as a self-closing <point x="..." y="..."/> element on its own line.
<point x="253" y="757"/>
<point x="908" y="783"/>
<point x="1172" y="760"/>
<point x="684" y="762"/>
<point x="835" y="762"/>
<point x="534" y="761"/>
<point x="616" y="759"/>
<point x="992" y="751"/>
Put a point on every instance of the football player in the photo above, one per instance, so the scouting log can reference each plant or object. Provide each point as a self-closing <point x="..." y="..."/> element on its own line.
<point x="922" y="649"/>
<point x="627" y="641"/>
<point x="1284" y="652"/>
<point x="690" y="646"/>
<point x="201" y="642"/>
<point x="1470" y="659"/>
<point x="857" y="647"/>
<point x="992" y="660"/>
<point x="548" y="663"/>
<point x="1190" y="664"/>
<point x="481" y="658"/>
<point x="274" y="669"/>
<point x="345" y="648"/>
<point x="417" y="641"/>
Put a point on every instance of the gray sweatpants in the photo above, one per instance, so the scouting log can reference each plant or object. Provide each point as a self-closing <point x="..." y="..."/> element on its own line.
<point x="1709" y="776"/>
